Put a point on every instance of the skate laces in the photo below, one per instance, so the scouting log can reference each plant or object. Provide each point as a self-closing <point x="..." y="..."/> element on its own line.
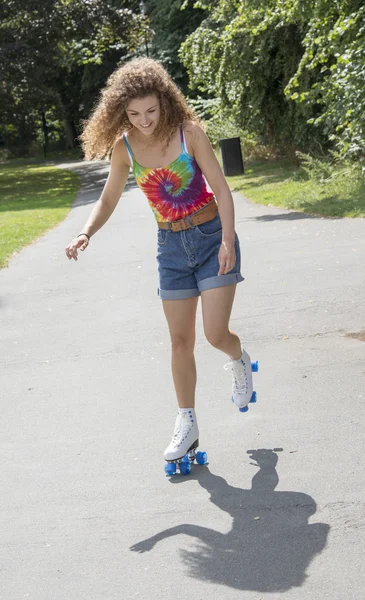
<point x="177" y="430"/>
<point x="183" y="428"/>
<point x="238" y="369"/>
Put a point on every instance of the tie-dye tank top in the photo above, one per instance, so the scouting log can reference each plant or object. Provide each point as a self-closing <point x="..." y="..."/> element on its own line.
<point x="176" y="190"/>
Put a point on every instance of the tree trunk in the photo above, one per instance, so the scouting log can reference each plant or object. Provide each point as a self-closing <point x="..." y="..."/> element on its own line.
<point x="45" y="133"/>
<point x="68" y="125"/>
<point x="70" y="133"/>
<point x="270" y="131"/>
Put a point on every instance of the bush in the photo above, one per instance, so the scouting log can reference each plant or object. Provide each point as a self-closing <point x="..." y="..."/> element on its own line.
<point x="330" y="168"/>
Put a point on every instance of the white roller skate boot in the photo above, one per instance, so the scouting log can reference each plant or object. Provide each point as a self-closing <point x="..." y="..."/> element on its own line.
<point x="242" y="386"/>
<point x="186" y="435"/>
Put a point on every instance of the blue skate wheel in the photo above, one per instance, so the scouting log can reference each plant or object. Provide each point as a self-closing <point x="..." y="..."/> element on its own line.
<point x="253" y="397"/>
<point x="244" y="409"/>
<point x="170" y="469"/>
<point x="255" y="366"/>
<point x="201" y="458"/>
<point x="185" y="468"/>
<point x="186" y="459"/>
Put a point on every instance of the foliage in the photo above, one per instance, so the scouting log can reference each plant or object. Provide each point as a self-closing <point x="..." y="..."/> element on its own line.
<point x="335" y="48"/>
<point x="53" y="56"/>
<point x="171" y="22"/>
<point x="332" y="171"/>
<point x="281" y="183"/>
<point x="245" y="55"/>
<point x="287" y="74"/>
<point x="291" y="71"/>
<point x="219" y="123"/>
<point x="317" y="169"/>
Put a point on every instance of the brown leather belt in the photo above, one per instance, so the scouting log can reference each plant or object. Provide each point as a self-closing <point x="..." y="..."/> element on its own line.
<point x="201" y="216"/>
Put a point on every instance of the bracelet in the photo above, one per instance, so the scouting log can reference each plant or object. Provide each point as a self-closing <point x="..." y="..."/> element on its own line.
<point x="88" y="237"/>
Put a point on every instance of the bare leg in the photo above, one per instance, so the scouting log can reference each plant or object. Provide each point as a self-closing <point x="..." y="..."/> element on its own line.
<point x="181" y="316"/>
<point x="217" y="306"/>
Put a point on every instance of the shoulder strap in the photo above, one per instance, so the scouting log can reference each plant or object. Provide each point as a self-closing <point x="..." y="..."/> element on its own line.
<point x="129" y="149"/>
<point x="183" y="141"/>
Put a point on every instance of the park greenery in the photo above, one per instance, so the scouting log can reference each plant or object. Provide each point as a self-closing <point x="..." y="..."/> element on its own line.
<point x="328" y="189"/>
<point x="289" y="72"/>
<point x="56" y="56"/>
<point x="34" y="198"/>
<point x="286" y="76"/>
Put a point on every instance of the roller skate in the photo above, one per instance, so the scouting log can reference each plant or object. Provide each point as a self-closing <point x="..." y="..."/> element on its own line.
<point x="181" y="451"/>
<point x="242" y="387"/>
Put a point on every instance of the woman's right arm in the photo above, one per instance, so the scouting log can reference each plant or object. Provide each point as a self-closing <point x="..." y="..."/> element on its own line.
<point x="103" y="209"/>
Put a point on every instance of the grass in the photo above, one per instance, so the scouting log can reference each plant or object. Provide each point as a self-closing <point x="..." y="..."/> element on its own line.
<point x="33" y="199"/>
<point x="55" y="156"/>
<point x="283" y="183"/>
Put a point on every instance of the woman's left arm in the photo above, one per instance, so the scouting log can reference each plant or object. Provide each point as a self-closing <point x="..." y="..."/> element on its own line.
<point x="207" y="161"/>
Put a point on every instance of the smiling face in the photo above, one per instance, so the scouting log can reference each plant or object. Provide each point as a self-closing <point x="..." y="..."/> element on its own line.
<point x="144" y="113"/>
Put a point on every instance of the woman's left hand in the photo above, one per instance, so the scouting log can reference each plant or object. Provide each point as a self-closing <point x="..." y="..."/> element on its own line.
<point x="226" y="257"/>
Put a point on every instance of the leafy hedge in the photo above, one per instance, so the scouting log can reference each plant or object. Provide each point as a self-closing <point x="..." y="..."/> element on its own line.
<point x="291" y="71"/>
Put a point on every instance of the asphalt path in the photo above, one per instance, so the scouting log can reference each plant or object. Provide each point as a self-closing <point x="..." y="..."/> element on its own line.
<point x="88" y="407"/>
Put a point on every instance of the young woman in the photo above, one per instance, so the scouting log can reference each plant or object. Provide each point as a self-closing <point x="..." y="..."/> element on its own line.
<point x="143" y="121"/>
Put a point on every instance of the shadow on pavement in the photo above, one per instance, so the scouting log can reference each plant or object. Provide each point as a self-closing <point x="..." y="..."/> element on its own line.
<point x="291" y="216"/>
<point x="270" y="544"/>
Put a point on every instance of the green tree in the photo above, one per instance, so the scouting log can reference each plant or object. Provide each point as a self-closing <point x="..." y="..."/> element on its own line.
<point x="53" y="57"/>
<point x="171" y="22"/>
<point x="281" y="67"/>
<point x="331" y="74"/>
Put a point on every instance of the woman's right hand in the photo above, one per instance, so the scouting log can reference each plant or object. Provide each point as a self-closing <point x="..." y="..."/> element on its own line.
<point x="79" y="243"/>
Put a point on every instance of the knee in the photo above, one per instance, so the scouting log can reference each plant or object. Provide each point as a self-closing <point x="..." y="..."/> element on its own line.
<point x="216" y="337"/>
<point x="182" y="343"/>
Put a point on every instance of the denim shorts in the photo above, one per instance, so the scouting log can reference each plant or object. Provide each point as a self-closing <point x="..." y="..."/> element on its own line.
<point x="188" y="261"/>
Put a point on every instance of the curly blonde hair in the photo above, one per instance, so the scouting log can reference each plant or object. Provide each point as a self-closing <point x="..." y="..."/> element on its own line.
<point x="137" y="78"/>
